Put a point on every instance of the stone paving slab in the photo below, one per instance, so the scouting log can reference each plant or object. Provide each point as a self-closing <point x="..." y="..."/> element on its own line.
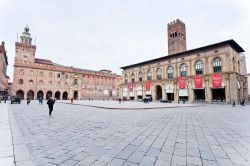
<point x="76" y="135"/>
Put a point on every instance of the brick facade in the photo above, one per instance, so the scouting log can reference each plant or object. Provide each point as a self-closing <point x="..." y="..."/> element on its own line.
<point x="35" y="77"/>
<point x="3" y="68"/>
<point x="164" y="86"/>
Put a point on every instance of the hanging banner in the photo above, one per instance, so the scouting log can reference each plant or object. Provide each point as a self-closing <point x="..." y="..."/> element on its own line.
<point x="131" y="87"/>
<point x="217" y="80"/>
<point x="147" y="86"/>
<point x="182" y="83"/>
<point x="198" y="82"/>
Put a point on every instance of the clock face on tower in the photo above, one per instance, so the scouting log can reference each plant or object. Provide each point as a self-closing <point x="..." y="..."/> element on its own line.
<point x="25" y="56"/>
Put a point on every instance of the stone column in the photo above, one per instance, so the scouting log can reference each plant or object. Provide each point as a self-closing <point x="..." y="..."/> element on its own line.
<point x="164" y="95"/>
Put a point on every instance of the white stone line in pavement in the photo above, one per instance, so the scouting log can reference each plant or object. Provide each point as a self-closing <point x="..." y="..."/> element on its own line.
<point x="7" y="157"/>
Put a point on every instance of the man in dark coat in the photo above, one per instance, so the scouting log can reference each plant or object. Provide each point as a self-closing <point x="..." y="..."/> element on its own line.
<point x="50" y="103"/>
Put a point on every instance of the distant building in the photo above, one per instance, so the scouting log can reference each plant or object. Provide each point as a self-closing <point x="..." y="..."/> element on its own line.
<point x="3" y="68"/>
<point x="211" y="73"/>
<point x="36" y="78"/>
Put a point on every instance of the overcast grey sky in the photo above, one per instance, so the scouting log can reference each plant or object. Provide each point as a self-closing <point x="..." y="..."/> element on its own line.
<point x="97" y="34"/>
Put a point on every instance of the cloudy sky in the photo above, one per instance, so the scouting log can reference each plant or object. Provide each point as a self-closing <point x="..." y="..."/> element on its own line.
<point x="97" y="34"/>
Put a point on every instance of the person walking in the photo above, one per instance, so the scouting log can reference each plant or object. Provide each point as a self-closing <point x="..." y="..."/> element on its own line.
<point x="28" y="101"/>
<point x="233" y="103"/>
<point x="50" y="103"/>
<point x="40" y="100"/>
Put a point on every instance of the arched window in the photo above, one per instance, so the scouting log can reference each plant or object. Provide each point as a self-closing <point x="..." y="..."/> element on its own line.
<point x="50" y="83"/>
<point x="149" y="75"/>
<point x="132" y="77"/>
<point x="21" y="72"/>
<point x="199" y="67"/>
<point x="31" y="72"/>
<point x="217" y="65"/>
<point x="58" y="75"/>
<point x="50" y="74"/>
<point x="183" y="70"/>
<point x="158" y="73"/>
<point x="75" y="82"/>
<point x="20" y="81"/>
<point x="41" y="83"/>
<point x="31" y="82"/>
<point x="140" y="76"/>
<point x="41" y="73"/>
<point x="170" y="72"/>
<point x="66" y="76"/>
<point x="126" y="78"/>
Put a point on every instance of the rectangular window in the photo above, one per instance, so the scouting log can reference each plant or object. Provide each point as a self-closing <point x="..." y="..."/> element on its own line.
<point x="183" y="73"/>
<point x="149" y="78"/>
<point x="170" y="75"/>
<point x="140" y="79"/>
<point x="199" y="71"/>
<point x="158" y="77"/>
<point x="217" y="69"/>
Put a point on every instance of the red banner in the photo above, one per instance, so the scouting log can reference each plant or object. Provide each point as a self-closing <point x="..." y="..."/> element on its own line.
<point x="198" y="82"/>
<point x="147" y="86"/>
<point x="217" y="80"/>
<point x="182" y="83"/>
<point x="131" y="87"/>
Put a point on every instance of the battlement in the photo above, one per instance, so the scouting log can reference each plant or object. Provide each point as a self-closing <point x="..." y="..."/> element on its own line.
<point x="176" y="22"/>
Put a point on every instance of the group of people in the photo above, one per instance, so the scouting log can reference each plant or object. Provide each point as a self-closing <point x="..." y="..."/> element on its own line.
<point x="50" y="103"/>
<point x="242" y="103"/>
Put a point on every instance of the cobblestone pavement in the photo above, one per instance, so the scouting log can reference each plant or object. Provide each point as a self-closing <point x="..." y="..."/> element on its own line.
<point x="78" y="135"/>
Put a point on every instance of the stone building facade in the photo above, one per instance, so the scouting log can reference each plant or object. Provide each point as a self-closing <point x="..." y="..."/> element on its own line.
<point x="36" y="78"/>
<point x="3" y="68"/>
<point x="248" y="83"/>
<point x="209" y="73"/>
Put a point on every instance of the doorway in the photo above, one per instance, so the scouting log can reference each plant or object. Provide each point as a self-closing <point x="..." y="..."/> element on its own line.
<point x="158" y="91"/>
<point x="218" y="94"/>
<point x="199" y="94"/>
<point x="75" y="95"/>
<point x="170" y="96"/>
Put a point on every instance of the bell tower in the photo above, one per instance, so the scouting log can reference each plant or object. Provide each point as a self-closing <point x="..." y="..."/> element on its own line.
<point x="25" y="51"/>
<point x="176" y="37"/>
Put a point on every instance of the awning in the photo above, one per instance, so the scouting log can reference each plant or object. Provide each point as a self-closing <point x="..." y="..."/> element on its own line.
<point x="106" y="92"/>
<point x="139" y="91"/>
<point x="169" y="88"/>
<point x="183" y="92"/>
<point x="148" y="92"/>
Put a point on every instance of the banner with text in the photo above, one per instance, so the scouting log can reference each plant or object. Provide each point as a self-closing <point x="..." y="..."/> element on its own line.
<point x="198" y="82"/>
<point x="216" y="80"/>
<point x="147" y="86"/>
<point x="131" y="87"/>
<point x="182" y="82"/>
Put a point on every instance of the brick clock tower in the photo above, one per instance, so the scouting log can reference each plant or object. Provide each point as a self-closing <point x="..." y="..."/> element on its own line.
<point x="25" y="51"/>
<point x="176" y="37"/>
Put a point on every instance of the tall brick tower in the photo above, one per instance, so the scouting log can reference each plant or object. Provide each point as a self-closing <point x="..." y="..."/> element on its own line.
<point x="176" y="37"/>
<point x="25" y="51"/>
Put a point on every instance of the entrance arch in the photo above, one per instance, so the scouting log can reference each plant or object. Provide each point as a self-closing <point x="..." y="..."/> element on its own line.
<point x="30" y="94"/>
<point x="49" y="93"/>
<point x="75" y="95"/>
<point x="65" y="95"/>
<point x="20" y="94"/>
<point x="158" y="91"/>
<point x="58" y="95"/>
<point x="40" y="94"/>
